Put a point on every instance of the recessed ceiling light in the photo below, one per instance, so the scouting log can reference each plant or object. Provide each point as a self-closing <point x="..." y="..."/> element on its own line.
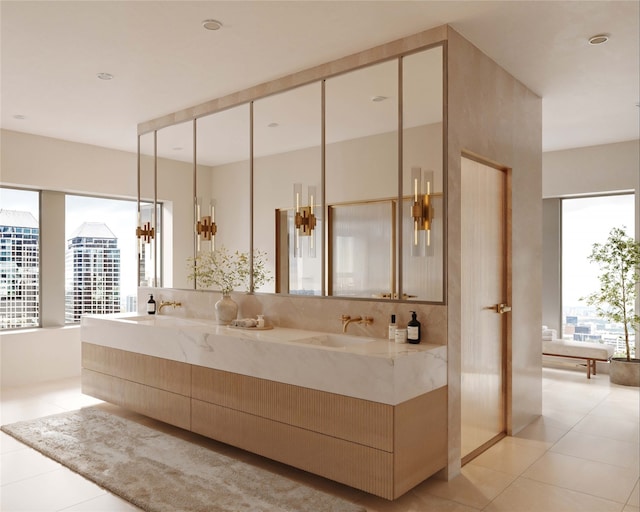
<point x="178" y="148"/>
<point x="378" y="99"/>
<point x="273" y="125"/>
<point x="599" y="39"/>
<point x="19" y="116"/>
<point x="212" y="24"/>
<point x="105" y="76"/>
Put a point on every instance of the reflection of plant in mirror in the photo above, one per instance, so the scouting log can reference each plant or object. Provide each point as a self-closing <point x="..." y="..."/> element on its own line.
<point x="226" y="270"/>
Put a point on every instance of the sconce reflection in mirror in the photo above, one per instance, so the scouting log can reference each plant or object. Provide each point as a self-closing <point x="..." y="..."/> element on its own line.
<point x="421" y="210"/>
<point x="144" y="232"/>
<point x="304" y="221"/>
<point x="206" y="228"/>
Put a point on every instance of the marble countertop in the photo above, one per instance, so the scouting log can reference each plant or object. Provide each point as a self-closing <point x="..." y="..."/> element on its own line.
<point x="367" y="368"/>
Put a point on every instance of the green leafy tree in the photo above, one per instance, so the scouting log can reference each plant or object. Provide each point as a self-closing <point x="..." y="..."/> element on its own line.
<point x="619" y="261"/>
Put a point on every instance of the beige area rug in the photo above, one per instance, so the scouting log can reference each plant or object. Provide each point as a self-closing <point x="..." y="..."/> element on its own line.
<point x="157" y="471"/>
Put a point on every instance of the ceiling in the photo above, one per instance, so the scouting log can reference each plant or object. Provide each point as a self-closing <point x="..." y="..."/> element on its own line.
<point x="162" y="60"/>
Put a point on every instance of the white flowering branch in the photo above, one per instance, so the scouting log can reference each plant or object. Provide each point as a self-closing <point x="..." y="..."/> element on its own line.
<point x="227" y="270"/>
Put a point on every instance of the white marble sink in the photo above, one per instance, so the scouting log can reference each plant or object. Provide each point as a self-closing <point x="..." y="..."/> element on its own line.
<point x="335" y="340"/>
<point x="160" y="321"/>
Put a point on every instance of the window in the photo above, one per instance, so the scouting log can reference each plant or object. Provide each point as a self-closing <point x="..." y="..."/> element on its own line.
<point x="585" y="221"/>
<point x="100" y="257"/>
<point x="19" y="259"/>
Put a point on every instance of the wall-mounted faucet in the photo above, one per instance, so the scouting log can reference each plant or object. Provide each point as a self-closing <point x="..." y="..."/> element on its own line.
<point x="169" y="303"/>
<point x="346" y="320"/>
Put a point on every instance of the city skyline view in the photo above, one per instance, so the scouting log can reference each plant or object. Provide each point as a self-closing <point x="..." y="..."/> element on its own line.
<point x="119" y="215"/>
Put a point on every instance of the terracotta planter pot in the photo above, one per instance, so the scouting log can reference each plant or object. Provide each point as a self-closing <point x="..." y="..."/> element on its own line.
<point x="626" y="373"/>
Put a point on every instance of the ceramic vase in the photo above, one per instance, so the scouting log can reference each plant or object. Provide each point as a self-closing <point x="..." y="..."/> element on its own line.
<point x="226" y="309"/>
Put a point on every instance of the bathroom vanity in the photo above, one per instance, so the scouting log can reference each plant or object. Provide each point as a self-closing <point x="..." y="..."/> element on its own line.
<point x="361" y="411"/>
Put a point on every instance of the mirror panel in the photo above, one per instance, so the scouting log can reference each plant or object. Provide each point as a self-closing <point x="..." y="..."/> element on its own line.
<point x="362" y="166"/>
<point x="287" y="158"/>
<point x="223" y="179"/>
<point x="423" y="206"/>
<point x="147" y="256"/>
<point x="175" y="192"/>
<point x="362" y="134"/>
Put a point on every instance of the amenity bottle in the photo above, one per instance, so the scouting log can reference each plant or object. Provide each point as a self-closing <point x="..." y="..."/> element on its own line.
<point x="413" y="329"/>
<point x="392" y="328"/>
<point x="151" y="305"/>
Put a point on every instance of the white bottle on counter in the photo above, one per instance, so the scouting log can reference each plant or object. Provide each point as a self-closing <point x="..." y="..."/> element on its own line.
<point x="260" y="322"/>
<point x="401" y="335"/>
<point x="392" y="328"/>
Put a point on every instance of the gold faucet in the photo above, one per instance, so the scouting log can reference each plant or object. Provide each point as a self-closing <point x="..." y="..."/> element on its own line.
<point x="169" y="303"/>
<point x="346" y="320"/>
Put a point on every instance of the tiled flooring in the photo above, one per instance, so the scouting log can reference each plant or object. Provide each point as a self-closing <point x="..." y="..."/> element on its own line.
<point x="581" y="455"/>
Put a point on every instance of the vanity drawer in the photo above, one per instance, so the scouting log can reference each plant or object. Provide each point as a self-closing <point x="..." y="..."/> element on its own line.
<point x="352" y="419"/>
<point x="352" y="464"/>
<point x="156" y="403"/>
<point x="152" y="371"/>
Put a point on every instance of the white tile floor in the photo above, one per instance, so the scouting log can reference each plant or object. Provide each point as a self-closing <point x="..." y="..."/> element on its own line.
<point x="581" y="455"/>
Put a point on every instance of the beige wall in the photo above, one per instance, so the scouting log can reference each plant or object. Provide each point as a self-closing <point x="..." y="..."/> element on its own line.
<point x="498" y="119"/>
<point x="53" y="164"/>
<point x="592" y="170"/>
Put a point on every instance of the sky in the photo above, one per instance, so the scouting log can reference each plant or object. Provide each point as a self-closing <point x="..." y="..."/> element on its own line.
<point x="586" y="221"/>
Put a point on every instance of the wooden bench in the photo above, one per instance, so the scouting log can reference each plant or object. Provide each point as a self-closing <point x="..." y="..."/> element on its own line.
<point x="589" y="352"/>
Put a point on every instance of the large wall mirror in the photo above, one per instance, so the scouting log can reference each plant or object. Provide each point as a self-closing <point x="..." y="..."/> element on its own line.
<point x="287" y="187"/>
<point x="422" y="176"/>
<point x="147" y="232"/>
<point x="222" y="200"/>
<point x="175" y="159"/>
<point x="346" y="178"/>
<point x="362" y="180"/>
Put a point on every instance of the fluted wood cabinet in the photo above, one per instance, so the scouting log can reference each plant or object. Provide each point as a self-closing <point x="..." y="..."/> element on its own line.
<point x="378" y="448"/>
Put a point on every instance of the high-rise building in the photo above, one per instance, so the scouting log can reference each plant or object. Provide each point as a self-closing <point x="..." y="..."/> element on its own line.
<point x="92" y="272"/>
<point x="19" y="269"/>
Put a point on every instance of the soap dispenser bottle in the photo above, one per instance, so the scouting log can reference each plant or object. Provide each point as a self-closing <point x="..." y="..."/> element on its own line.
<point x="413" y="329"/>
<point x="151" y="305"/>
<point x="392" y="328"/>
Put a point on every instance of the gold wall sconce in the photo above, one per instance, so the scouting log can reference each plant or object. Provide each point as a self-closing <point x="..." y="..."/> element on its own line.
<point x="145" y="232"/>
<point x="304" y="221"/>
<point x="421" y="210"/>
<point x="206" y="227"/>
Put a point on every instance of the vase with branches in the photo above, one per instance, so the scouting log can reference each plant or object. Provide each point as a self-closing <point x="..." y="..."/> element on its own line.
<point x="227" y="271"/>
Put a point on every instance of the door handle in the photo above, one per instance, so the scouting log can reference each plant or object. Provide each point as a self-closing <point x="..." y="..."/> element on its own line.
<point x="500" y="308"/>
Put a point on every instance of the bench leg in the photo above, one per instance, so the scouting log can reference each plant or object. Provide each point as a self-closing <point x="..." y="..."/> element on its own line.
<point x="594" y="366"/>
<point x="588" y="368"/>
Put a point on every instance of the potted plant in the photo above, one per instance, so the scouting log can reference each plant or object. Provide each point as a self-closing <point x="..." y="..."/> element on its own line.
<point x="227" y="271"/>
<point x="619" y="261"/>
